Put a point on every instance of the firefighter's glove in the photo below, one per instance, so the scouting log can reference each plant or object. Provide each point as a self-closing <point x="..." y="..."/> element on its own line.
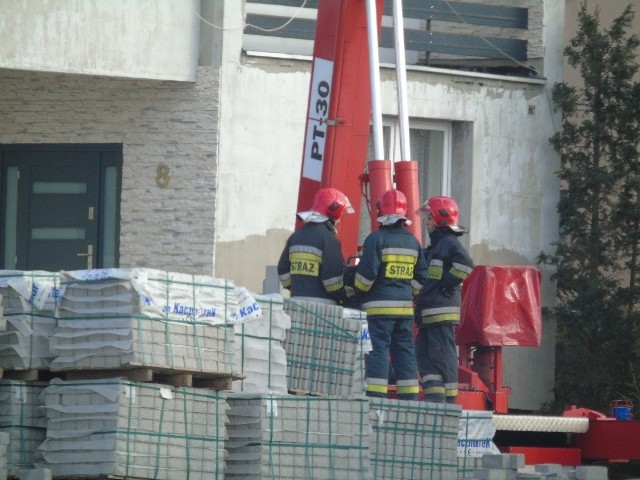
<point x="448" y="292"/>
<point x="349" y="291"/>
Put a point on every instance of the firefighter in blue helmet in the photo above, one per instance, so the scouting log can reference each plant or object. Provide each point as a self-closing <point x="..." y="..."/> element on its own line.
<point x="438" y="303"/>
<point x="311" y="264"/>
<point x="391" y="271"/>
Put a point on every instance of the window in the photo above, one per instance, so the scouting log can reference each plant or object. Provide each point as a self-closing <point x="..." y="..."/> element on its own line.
<point x="430" y="143"/>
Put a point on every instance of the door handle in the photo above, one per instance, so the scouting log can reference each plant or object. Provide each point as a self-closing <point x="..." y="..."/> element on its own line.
<point x="89" y="256"/>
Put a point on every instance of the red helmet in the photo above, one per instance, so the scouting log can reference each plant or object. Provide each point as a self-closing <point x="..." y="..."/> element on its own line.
<point x="331" y="203"/>
<point x="392" y="202"/>
<point x="444" y="211"/>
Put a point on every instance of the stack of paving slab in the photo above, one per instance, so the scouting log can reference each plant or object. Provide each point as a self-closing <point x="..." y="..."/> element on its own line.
<point x="119" y="318"/>
<point x="22" y="420"/>
<point x="512" y="466"/>
<point x="27" y="314"/>
<point x="323" y="349"/>
<point x="286" y="437"/>
<point x="133" y="430"/>
<point x="413" y="439"/>
<point x="259" y="353"/>
<point x="475" y="440"/>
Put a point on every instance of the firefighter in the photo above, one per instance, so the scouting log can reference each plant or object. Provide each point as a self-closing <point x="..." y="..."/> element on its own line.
<point x="438" y="303"/>
<point x="391" y="271"/>
<point x="311" y="264"/>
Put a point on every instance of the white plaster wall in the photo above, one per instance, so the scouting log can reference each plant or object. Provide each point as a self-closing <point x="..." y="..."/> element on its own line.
<point x="153" y="39"/>
<point x="504" y="175"/>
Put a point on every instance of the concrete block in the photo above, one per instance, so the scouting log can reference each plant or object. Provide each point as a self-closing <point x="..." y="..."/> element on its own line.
<point x="35" y="474"/>
<point x="534" y="476"/>
<point x="591" y="472"/>
<point x="495" y="474"/>
<point x="505" y="460"/>
<point x="550" y="469"/>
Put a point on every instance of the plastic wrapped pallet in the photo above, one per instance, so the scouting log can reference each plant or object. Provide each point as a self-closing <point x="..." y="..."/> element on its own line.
<point x="286" y="437"/>
<point x="323" y="349"/>
<point x="413" y="439"/>
<point x="259" y="355"/>
<point x="133" y="430"/>
<point x="476" y="430"/>
<point x="147" y="292"/>
<point x="117" y="318"/>
<point x="22" y="419"/>
<point x="28" y="318"/>
<point x="358" y="384"/>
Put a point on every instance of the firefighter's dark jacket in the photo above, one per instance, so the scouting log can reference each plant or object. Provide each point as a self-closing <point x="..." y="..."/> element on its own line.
<point x="311" y="264"/>
<point x="391" y="271"/>
<point x="449" y="265"/>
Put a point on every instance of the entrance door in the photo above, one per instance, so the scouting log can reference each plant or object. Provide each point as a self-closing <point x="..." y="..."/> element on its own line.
<point x="59" y="208"/>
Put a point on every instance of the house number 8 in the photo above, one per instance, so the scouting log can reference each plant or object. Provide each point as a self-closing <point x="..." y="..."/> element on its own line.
<point x="162" y="175"/>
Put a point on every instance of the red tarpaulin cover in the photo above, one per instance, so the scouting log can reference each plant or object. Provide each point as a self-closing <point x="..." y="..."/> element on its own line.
<point x="501" y="306"/>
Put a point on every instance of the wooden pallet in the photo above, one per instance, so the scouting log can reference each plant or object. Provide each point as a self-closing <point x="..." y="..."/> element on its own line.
<point x="85" y="477"/>
<point x="28" y="374"/>
<point x="157" y="374"/>
<point x="306" y="393"/>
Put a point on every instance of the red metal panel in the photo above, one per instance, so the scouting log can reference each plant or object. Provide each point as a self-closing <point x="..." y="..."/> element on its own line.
<point x="539" y="455"/>
<point x="471" y="400"/>
<point x="610" y="440"/>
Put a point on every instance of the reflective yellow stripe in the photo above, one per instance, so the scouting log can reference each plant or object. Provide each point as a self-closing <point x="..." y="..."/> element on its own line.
<point x="377" y="388"/>
<point x="390" y="311"/>
<point x="361" y="286"/>
<point x="443" y="317"/>
<point x="429" y="390"/>
<point x="335" y="287"/>
<point x="408" y="389"/>
<point x="459" y="273"/>
<point x="286" y="283"/>
<point x="399" y="259"/>
<point x="304" y="256"/>
<point x="451" y="393"/>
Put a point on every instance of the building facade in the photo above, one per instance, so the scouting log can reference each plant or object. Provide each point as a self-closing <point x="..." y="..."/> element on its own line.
<point x="193" y="124"/>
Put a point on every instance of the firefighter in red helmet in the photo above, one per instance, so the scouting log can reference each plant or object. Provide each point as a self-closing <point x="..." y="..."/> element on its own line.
<point x="391" y="271"/>
<point x="437" y="308"/>
<point x="311" y="264"/>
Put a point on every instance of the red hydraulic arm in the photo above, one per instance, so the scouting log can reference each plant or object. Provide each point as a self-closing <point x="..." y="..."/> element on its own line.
<point x="339" y="110"/>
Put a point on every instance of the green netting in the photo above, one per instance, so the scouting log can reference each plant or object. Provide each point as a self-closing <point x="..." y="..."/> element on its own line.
<point x="323" y="349"/>
<point x="22" y="419"/>
<point x="413" y="440"/>
<point x="122" y="428"/>
<point x="291" y="437"/>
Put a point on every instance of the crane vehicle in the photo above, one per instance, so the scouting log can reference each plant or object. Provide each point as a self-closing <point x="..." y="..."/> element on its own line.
<point x="501" y="304"/>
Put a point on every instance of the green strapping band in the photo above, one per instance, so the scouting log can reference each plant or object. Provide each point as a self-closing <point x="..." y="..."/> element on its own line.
<point x="186" y="429"/>
<point x="167" y="330"/>
<point x="155" y="473"/>
<point x="200" y="360"/>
